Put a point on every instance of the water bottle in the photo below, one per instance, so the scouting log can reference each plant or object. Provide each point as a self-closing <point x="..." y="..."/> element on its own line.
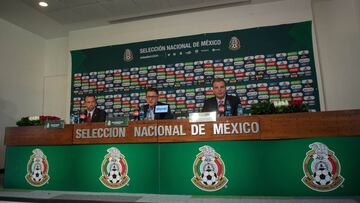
<point x="77" y="118"/>
<point x="228" y="109"/>
<point x="72" y="118"/>
<point x="141" y="114"/>
<point x="240" y="110"/>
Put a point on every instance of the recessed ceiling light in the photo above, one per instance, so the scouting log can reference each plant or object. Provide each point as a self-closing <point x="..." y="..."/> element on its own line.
<point x="43" y="4"/>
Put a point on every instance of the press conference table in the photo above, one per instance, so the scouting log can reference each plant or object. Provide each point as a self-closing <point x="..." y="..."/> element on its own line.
<point x="258" y="155"/>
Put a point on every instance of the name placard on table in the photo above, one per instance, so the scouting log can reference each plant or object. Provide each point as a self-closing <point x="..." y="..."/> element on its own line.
<point x="55" y="124"/>
<point x="202" y="117"/>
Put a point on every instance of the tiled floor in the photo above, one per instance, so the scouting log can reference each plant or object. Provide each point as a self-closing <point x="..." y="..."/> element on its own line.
<point x="12" y="195"/>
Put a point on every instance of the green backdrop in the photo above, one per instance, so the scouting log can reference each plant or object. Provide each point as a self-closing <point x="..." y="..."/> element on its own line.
<point x="267" y="63"/>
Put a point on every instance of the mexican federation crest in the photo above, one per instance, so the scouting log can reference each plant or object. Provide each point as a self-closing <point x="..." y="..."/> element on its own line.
<point x="128" y="55"/>
<point x="114" y="169"/>
<point x="321" y="169"/>
<point x="37" y="169"/>
<point x="234" y="44"/>
<point x="209" y="170"/>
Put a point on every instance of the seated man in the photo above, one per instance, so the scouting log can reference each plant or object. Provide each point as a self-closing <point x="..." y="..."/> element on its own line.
<point x="92" y="113"/>
<point x="224" y="105"/>
<point x="152" y="96"/>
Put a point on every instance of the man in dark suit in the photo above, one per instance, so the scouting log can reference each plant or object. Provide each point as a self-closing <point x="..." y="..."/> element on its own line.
<point x="224" y="105"/>
<point x="152" y="96"/>
<point x="93" y="114"/>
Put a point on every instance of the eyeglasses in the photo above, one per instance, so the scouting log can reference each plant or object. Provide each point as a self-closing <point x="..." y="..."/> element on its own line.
<point x="151" y="97"/>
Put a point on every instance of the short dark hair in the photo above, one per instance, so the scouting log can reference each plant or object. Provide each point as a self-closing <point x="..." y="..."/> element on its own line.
<point x="152" y="89"/>
<point x="89" y="95"/>
<point x="218" y="80"/>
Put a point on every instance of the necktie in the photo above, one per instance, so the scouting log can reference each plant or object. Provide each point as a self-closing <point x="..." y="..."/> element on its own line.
<point x="88" y="117"/>
<point x="221" y="103"/>
<point x="150" y="115"/>
<point x="221" y="108"/>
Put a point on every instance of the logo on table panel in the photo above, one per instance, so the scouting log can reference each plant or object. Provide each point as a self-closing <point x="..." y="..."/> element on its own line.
<point x="321" y="169"/>
<point x="209" y="170"/>
<point x="128" y="55"/>
<point x="37" y="169"/>
<point x="234" y="44"/>
<point x="114" y="169"/>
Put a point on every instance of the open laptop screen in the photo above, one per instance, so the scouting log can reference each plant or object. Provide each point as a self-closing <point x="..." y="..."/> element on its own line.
<point x="161" y="108"/>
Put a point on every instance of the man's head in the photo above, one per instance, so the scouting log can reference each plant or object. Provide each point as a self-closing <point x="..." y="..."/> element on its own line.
<point x="152" y="96"/>
<point x="219" y="88"/>
<point x="90" y="102"/>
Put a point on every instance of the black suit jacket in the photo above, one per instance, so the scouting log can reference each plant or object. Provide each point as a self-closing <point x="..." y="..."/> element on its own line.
<point x="98" y="115"/>
<point x="212" y="105"/>
<point x="159" y="116"/>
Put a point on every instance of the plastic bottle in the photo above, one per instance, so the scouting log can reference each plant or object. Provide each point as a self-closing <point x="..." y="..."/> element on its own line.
<point x="77" y="118"/>
<point x="228" y="109"/>
<point x="240" y="110"/>
<point x="72" y="118"/>
<point x="141" y="114"/>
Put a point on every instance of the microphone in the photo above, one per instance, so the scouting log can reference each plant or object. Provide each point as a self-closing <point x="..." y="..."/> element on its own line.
<point x="221" y="108"/>
<point x="82" y="117"/>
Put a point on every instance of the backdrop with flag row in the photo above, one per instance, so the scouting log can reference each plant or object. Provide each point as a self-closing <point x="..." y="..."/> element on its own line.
<point x="263" y="63"/>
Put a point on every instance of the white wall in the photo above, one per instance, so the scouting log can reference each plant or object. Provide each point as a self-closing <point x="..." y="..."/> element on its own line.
<point x="21" y="78"/>
<point x="337" y="25"/>
<point x="215" y="20"/>
<point x="56" y="80"/>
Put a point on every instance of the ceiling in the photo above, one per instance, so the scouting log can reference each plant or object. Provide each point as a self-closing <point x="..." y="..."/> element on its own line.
<point x="62" y="16"/>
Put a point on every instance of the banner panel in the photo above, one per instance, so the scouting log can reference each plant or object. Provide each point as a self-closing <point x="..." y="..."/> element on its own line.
<point x="261" y="168"/>
<point x="298" y="167"/>
<point x="84" y="168"/>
